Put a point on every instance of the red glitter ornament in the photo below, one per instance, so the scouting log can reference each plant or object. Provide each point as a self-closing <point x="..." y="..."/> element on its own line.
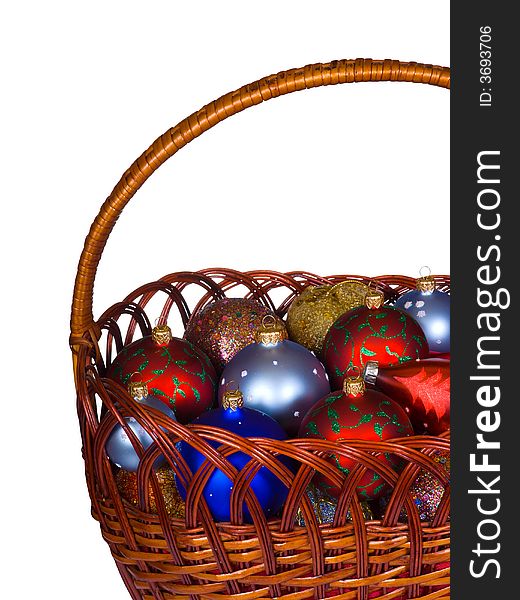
<point x="372" y="332"/>
<point x="421" y="387"/>
<point x="175" y="371"/>
<point x="361" y="414"/>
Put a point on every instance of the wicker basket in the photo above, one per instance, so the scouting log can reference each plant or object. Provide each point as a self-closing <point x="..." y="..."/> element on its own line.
<point x="160" y="557"/>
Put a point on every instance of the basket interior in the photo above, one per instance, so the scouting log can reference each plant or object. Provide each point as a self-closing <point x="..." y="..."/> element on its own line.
<point x="164" y="557"/>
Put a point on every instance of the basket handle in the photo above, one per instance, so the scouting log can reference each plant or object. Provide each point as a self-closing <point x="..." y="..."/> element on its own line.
<point x="285" y="82"/>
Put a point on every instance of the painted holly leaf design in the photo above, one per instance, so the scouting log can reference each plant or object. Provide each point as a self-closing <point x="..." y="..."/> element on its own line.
<point x="354" y="408"/>
<point x="332" y="414"/>
<point x="378" y="489"/>
<point x="365" y="419"/>
<point x="391" y="353"/>
<point x="367" y="352"/>
<point x="335" y="426"/>
<point x="395" y="421"/>
<point x="157" y="392"/>
<point x="418" y="340"/>
<point x="312" y="427"/>
<point x="158" y="371"/>
<point x="381" y="315"/>
<point x="383" y="329"/>
<point x="143" y="365"/>
<point x="362" y="326"/>
<point x="378" y="428"/>
<point x="381" y="413"/>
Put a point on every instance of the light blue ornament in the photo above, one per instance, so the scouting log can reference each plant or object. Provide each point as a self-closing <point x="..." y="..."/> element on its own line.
<point x="431" y="309"/>
<point x="277" y="376"/>
<point x="119" y="447"/>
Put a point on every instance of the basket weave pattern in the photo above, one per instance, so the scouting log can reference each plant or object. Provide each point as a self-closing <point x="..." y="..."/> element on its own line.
<point x="163" y="558"/>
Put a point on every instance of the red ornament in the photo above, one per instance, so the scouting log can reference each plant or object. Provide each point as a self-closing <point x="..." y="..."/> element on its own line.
<point x="421" y="387"/>
<point x="372" y="332"/>
<point x="174" y="370"/>
<point x="444" y="355"/>
<point x="361" y="414"/>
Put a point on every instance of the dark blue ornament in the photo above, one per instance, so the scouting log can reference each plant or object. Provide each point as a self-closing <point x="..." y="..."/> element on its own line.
<point x="431" y="309"/>
<point x="268" y="489"/>
<point x="277" y="376"/>
<point x="119" y="447"/>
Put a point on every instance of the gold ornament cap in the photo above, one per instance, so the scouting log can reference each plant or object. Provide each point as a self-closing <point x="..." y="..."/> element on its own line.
<point x="138" y="390"/>
<point x="232" y="399"/>
<point x="162" y="335"/>
<point x="271" y="331"/>
<point x="425" y="283"/>
<point x="374" y="299"/>
<point x="354" y="385"/>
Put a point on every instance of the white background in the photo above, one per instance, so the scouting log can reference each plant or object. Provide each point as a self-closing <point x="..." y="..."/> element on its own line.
<point x="351" y="179"/>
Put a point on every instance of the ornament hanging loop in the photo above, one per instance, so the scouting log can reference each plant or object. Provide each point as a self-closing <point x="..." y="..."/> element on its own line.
<point x="161" y="333"/>
<point x="354" y="384"/>
<point x="272" y="331"/>
<point x="269" y="322"/>
<point x="374" y="299"/>
<point x="233" y="398"/>
<point x="137" y="388"/>
<point x="425" y="283"/>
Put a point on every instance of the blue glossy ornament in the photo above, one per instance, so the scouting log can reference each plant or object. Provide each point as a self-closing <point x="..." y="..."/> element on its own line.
<point x="431" y="309"/>
<point x="277" y="376"/>
<point x="119" y="447"/>
<point x="268" y="489"/>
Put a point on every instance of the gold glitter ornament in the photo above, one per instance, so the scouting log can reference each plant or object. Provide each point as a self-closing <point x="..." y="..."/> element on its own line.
<point x="313" y="312"/>
<point x="127" y="485"/>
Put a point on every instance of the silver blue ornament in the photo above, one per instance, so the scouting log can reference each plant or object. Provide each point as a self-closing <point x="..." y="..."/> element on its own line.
<point x="431" y="309"/>
<point x="277" y="376"/>
<point x="119" y="447"/>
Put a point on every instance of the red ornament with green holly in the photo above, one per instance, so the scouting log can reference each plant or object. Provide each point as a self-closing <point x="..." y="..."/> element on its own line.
<point x="356" y="413"/>
<point x="175" y="371"/>
<point x="372" y="332"/>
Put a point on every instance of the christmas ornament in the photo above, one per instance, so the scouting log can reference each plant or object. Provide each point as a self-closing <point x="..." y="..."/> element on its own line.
<point x="175" y="371"/>
<point x="224" y="327"/>
<point x="312" y="313"/>
<point x="427" y="491"/>
<point x="361" y="414"/>
<point x="246" y="422"/>
<point x="431" y="309"/>
<point x="277" y="376"/>
<point x="421" y="387"/>
<point x="127" y="485"/>
<point x="372" y="332"/>
<point x="119" y="447"/>
<point x="324" y="507"/>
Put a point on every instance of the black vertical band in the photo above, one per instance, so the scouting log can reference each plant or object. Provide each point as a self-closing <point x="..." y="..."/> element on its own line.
<point x="485" y="329"/>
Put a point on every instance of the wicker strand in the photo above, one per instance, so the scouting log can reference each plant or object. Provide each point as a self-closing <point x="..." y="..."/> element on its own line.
<point x="336" y="72"/>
